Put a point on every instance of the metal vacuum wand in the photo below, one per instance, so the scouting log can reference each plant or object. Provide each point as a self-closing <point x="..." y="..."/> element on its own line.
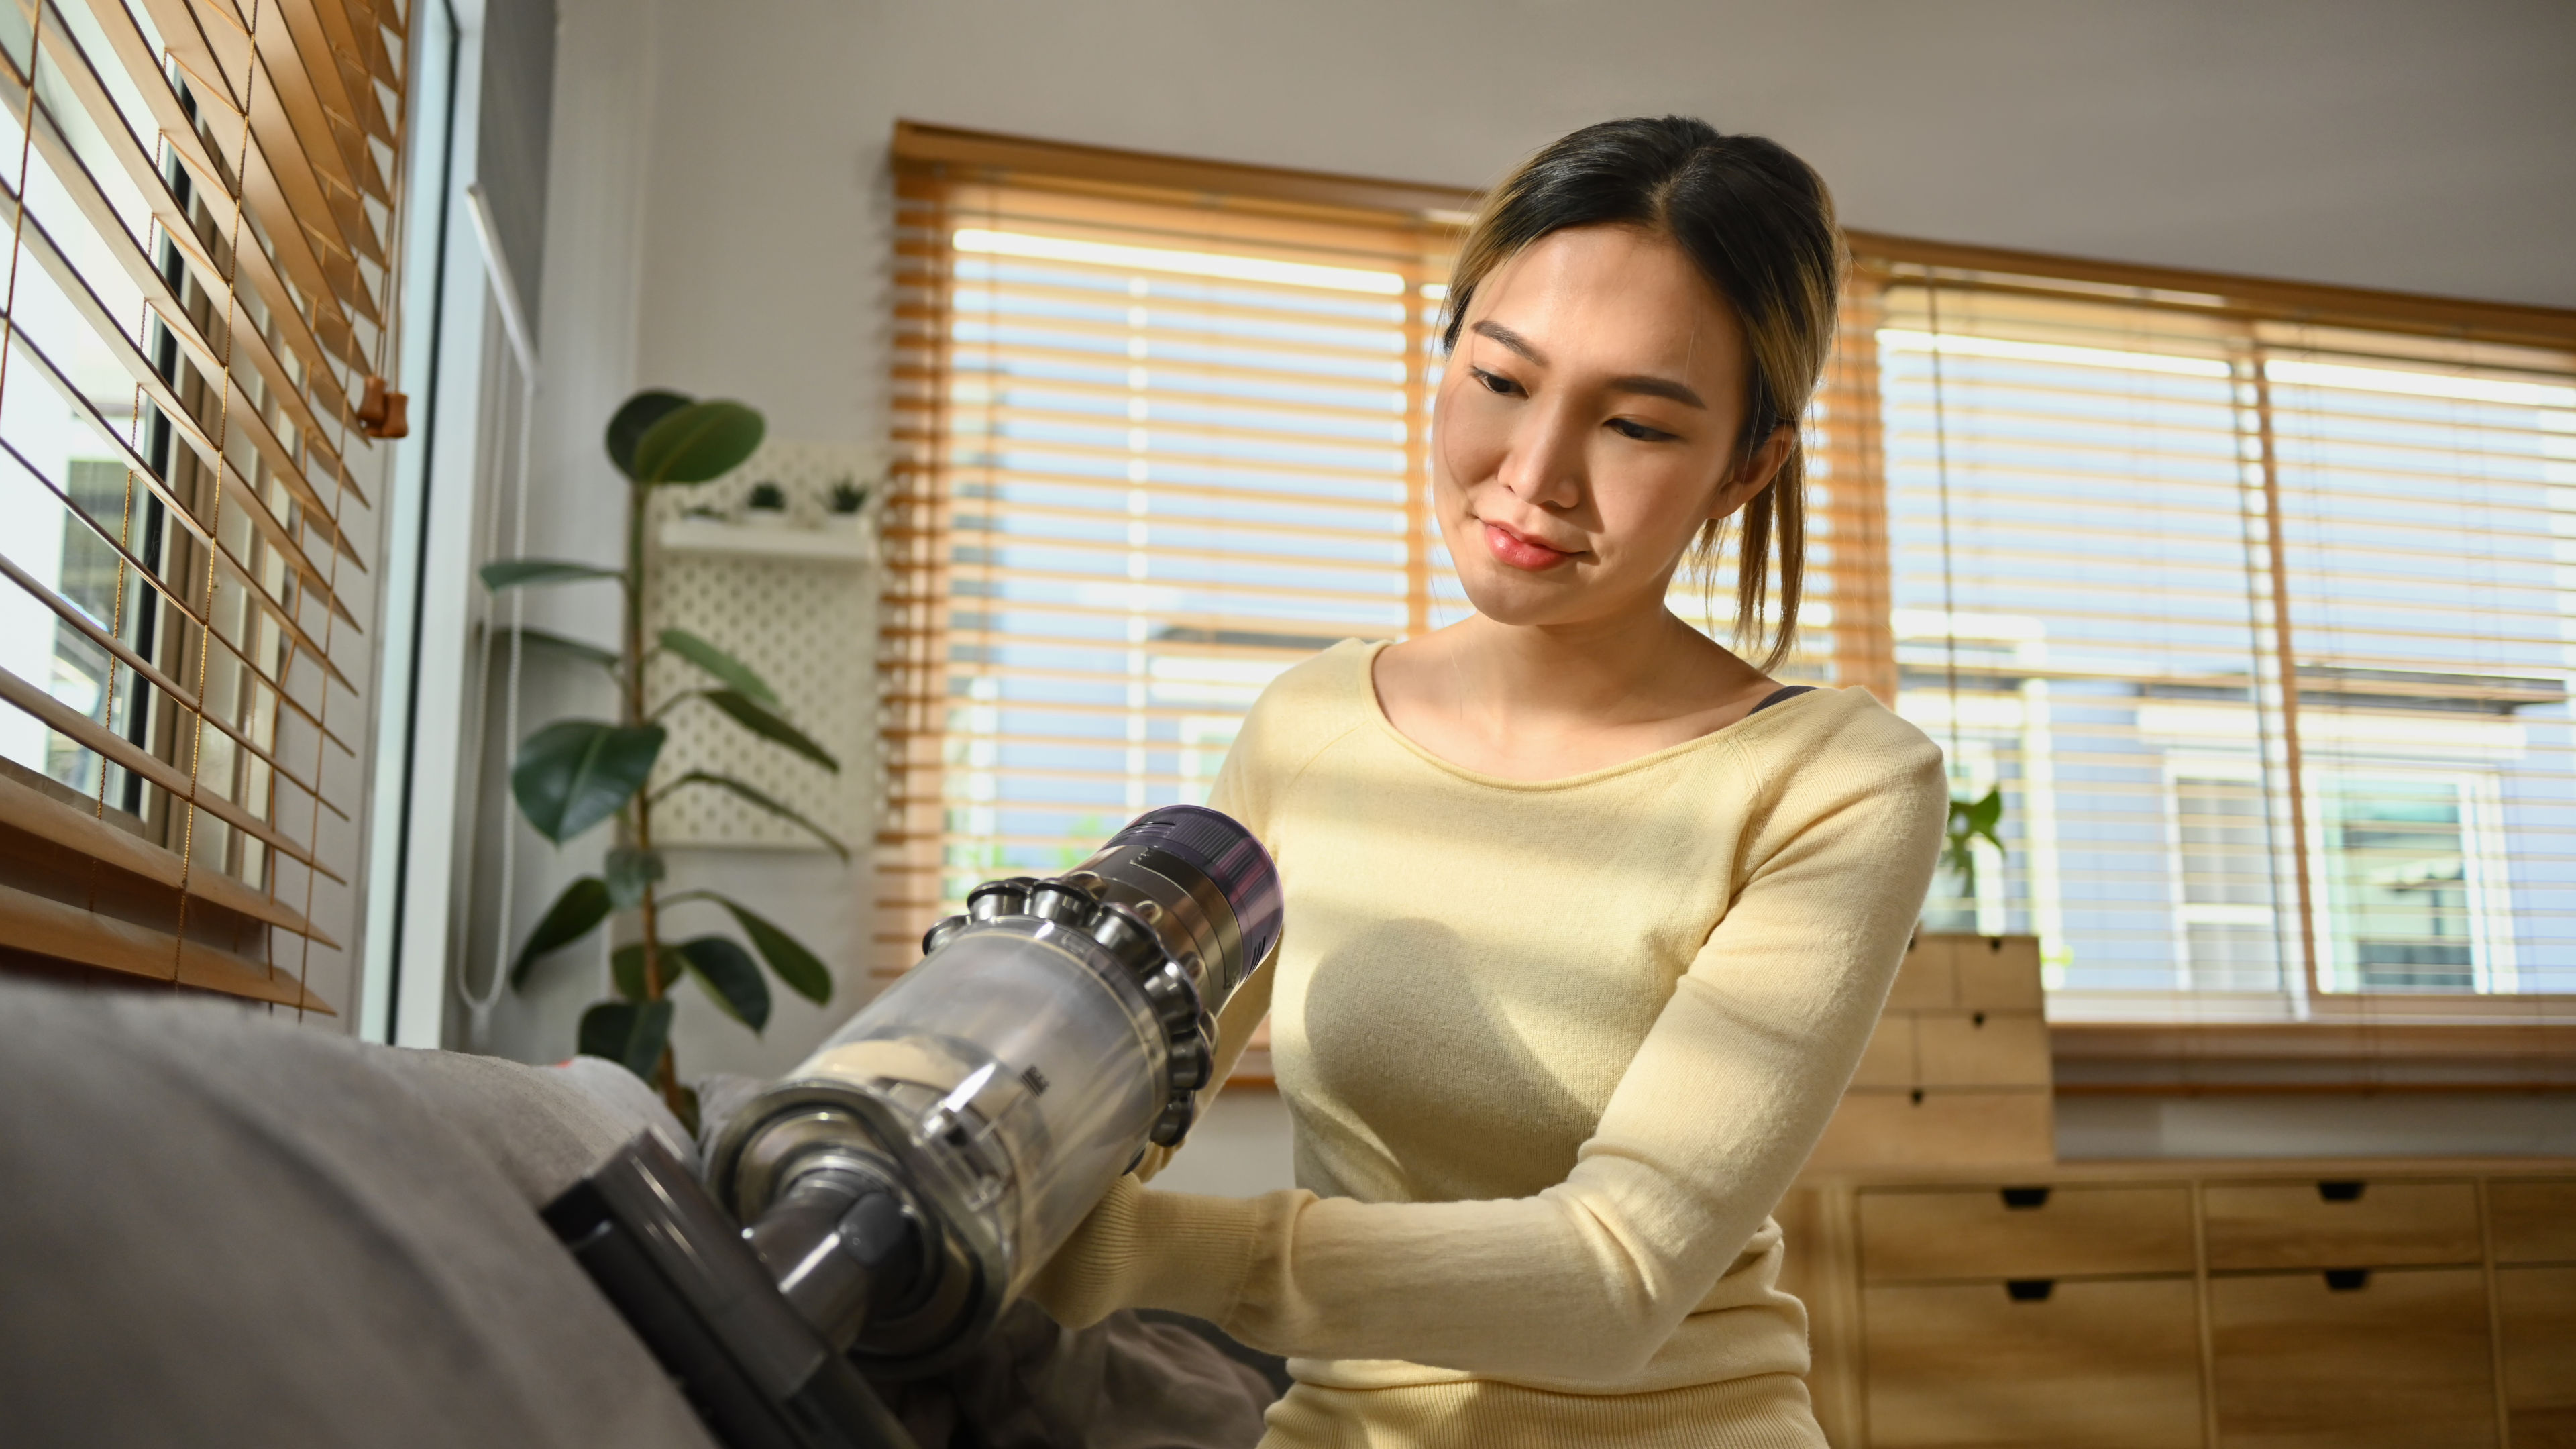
<point x="903" y="1185"/>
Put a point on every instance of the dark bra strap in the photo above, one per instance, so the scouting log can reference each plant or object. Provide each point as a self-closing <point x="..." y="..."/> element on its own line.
<point x="1785" y="691"/>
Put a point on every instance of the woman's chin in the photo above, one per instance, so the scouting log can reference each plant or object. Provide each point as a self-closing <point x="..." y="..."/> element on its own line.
<point x="1514" y="596"/>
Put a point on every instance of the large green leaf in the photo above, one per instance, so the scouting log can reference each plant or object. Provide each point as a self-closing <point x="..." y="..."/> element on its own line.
<point x="626" y="970"/>
<point x="510" y="573"/>
<point x="607" y="659"/>
<point x="629" y="872"/>
<point x="731" y="977"/>
<point x="720" y="664"/>
<point x="1987" y="813"/>
<point x="803" y="972"/>
<point x="761" y="720"/>
<point x="581" y="907"/>
<point x="695" y="443"/>
<point x="753" y="796"/>
<point x="634" y="418"/>
<point x="629" y="1033"/>
<point x="572" y="775"/>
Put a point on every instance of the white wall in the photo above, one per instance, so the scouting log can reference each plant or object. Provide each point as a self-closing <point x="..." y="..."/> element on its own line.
<point x="2389" y="1123"/>
<point x="2416" y="146"/>
<point x="719" y="219"/>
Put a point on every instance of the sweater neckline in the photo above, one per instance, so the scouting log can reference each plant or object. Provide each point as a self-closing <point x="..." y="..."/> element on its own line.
<point x="1724" y="733"/>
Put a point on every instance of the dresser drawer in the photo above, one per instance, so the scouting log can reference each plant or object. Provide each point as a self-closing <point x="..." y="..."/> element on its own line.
<point x="1999" y="972"/>
<point x="1981" y="1049"/>
<point x="2534" y="1219"/>
<point x="1942" y="1126"/>
<point x="2340" y="1224"/>
<point x="1955" y="1048"/>
<point x="2381" y="1360"/>
<point x="2068" y="1365"/>
<point x="2536" y="1309"/>
<point x="1928" y="977"/>
<point x="2026" y="1232"/>
<point x="1888" y="1060"/>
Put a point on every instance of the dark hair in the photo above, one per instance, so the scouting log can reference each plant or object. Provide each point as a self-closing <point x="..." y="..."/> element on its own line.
<point x="1759" y="224"/>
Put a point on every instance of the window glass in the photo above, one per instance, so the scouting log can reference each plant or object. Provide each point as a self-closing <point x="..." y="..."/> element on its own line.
<point x="2081" y="501"/>
<point x="1176" y="465"/>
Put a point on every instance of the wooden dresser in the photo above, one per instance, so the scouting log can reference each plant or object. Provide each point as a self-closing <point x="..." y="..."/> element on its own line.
<point x="2261" y="1304"/>
<point x="2002" y="1299"/>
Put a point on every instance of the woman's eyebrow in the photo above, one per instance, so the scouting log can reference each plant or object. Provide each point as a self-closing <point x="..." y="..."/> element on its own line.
<point x="1510" y="339"/>
<point x="1663" y="387"/>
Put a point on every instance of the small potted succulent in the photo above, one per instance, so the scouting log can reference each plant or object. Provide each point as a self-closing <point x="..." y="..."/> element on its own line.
<point x="848" y="498"/>
<point x="767" y="506"/>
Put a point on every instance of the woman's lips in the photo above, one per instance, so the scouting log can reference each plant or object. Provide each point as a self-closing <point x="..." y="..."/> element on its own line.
<point x="1521" y="552"/>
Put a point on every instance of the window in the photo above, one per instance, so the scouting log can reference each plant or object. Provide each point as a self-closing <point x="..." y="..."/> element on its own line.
<point x="1159" y="446"/>
<point x="2259" y="621"/>
<point x="196" y="324"/>
<point x="2249" y="598"/>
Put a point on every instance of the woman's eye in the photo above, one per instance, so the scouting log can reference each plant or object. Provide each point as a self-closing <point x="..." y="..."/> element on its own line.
<point x="1628" y="428"/>
<point x="1495" y="382"/>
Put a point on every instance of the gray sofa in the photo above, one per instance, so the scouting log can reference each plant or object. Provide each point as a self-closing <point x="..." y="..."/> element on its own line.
<point x="217" y="1229"/>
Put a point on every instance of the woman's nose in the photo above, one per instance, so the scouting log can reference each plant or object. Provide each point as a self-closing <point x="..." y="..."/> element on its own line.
<point x="1544" y="463"/>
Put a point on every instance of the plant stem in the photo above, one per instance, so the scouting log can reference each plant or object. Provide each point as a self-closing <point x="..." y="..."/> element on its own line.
<point x="665" y="1073"/>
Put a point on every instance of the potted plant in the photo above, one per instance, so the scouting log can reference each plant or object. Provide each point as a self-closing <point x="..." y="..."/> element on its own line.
<point x="574" y="775"/>
<point x="1971" y="821"/>
<point x="767" y="506"/>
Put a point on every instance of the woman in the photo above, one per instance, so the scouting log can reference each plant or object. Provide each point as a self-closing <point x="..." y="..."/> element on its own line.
<point x="1588" y="918"/>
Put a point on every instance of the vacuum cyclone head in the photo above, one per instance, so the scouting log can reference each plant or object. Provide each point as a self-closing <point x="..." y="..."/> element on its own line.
<point x="1227" y="857"/>
<point x="989" y="1098"/>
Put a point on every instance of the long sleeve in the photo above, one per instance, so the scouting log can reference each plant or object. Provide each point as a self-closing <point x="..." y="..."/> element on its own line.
<point x="1724" y="1098"/>
<point x="1239" y="791"/>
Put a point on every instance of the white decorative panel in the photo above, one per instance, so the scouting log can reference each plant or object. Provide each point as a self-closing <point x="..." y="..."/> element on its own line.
<point x="795" y="598"/>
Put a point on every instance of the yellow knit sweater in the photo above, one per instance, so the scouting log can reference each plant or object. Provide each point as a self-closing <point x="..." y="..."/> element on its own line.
<point x="1553" y="1051"/>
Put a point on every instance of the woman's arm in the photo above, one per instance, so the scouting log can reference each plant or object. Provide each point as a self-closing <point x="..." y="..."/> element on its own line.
<point x="1240" y="790"/>
<point x="1234" y="1026"/>
<point x="1723" y="1102"/>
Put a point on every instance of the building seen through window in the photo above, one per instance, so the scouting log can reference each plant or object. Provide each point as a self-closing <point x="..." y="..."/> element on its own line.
<point x="2099" y="515"/>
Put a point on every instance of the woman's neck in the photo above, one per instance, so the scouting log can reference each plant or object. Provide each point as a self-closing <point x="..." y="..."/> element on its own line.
<point x="1542" y="702"/>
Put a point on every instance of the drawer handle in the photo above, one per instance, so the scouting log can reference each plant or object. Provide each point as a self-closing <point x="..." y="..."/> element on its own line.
<point x="2030" y="1290"/>
<point x="2347" y="1280"/>
<point x="2339" y="1191"/>
<point x="2024" y="1198"/>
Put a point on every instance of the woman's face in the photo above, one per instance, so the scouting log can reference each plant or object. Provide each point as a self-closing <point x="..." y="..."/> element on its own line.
<point x="1587" y="425"/>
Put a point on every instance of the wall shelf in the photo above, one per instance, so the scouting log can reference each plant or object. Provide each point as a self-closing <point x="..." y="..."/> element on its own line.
<point x="844" y="543"/>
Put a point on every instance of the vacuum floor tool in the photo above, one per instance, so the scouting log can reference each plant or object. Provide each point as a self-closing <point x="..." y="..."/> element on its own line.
<point x="897" y="1191"/>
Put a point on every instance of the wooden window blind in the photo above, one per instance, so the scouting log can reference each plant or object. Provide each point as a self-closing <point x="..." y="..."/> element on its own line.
<point x="202" y="198"/>
<point x="1156" y="442"/>
<point x="2255" y="603"/>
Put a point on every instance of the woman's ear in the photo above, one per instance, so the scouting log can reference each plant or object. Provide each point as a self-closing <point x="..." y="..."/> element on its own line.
<point x="1755" y="471"/>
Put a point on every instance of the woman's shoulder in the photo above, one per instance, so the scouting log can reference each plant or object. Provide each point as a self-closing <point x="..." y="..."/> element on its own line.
<point x="1839" y="737"/>
<point x="1327" y="692"/>
<point x="1301" y="713"/>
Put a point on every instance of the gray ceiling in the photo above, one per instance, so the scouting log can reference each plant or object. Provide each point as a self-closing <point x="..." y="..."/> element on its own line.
<point x="2417" y="146"/>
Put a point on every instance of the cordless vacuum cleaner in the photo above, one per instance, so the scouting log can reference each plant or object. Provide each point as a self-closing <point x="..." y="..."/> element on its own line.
<point x="882" y="1205"/>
